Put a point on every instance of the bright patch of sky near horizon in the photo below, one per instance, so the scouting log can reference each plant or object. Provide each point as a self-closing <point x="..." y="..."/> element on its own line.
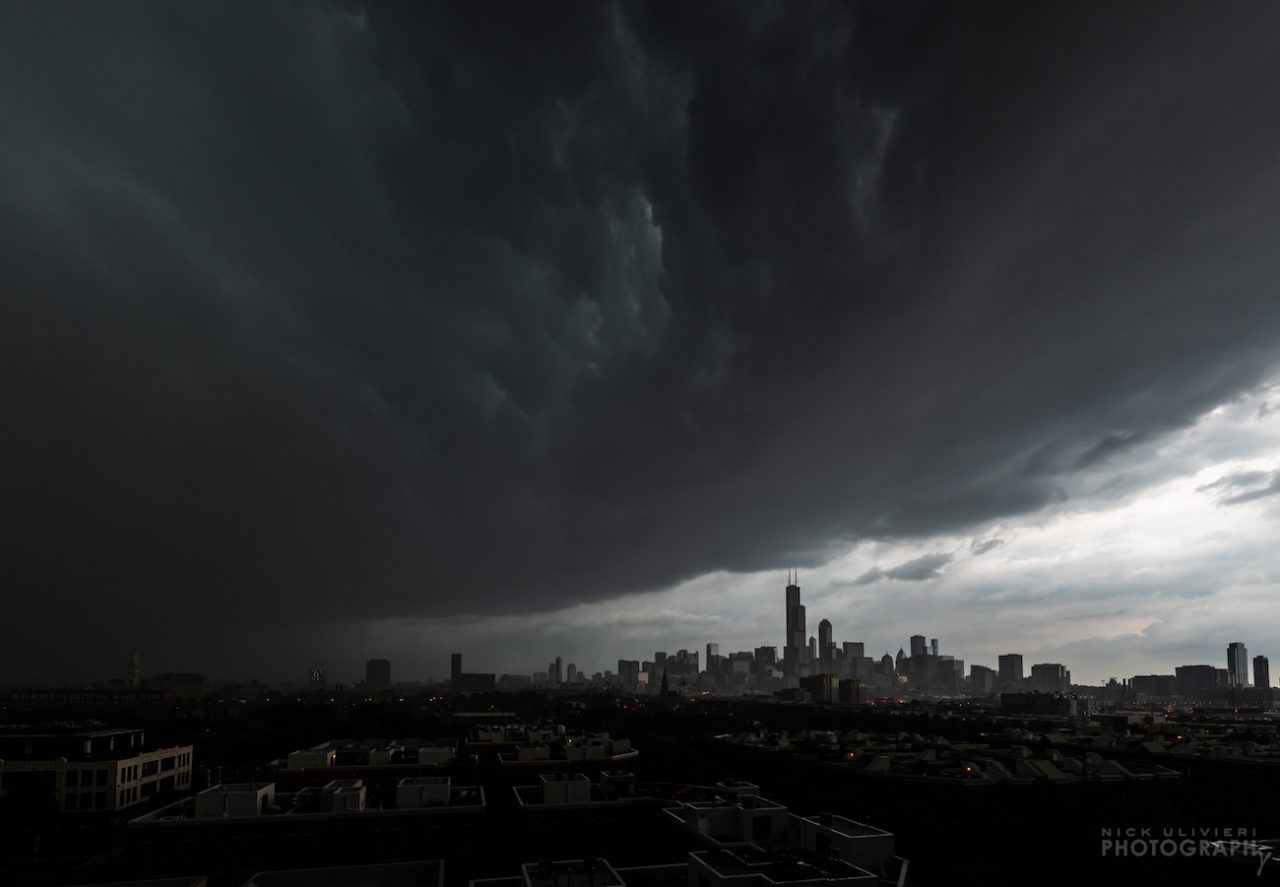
<point x="1158" y="557"/>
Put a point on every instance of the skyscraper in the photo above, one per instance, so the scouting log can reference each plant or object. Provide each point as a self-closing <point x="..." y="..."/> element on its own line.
<point x="133" y="677"/>
<point x="377" y="674"/>
<point x="1261" y="672"/>
<point x="1010" y="669"/>
<point x="917" y="645"/>
<point x="1237" y="665"/>
<point x="826" y="647"/>
<point x="1050" y="677"/>
<point x="455" y="666"/>
<point x="933" y="646"/>
<point x="795" y="655"/>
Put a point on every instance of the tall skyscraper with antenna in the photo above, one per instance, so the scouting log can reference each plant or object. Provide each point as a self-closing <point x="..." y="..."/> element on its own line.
<point x="795" y="657"/>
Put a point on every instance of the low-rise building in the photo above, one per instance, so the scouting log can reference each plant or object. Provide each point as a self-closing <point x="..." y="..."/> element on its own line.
<point x="91" y="771"/>
<point x="247" y="827"/>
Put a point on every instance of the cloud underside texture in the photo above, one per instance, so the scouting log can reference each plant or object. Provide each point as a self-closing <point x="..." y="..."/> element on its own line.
<point x="325" y="312"/>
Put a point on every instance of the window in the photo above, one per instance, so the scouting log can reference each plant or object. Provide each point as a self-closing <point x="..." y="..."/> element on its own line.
<point x="149" y="768"/>
<point x="120" y="803"/>
<point x="70" y="803"/>
<point x="102" y="776"/>
<point x="73" y="777"/>
<point x="168" y="763"/>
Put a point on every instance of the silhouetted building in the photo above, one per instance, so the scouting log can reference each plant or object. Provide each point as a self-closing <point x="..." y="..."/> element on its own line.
<point x="826" y="647"/>
<point x="465" y="682"/>
<point x="982" y="680"/>
<point x="1197" y="681"/>
<point x="133" y="676"/>
<point x="1049" y="677"/>
<point x="818" y="686"/>
<point x="377" y="674"/>
<point x="918" y="645"/>
<point x="795" y="654"/>
<point x="1010" y="669"/>
<point x="1042" y="704"/>
<point x="1237" y="665"/>
<point x="1159" y="685"/>
<point x="1261" y="672"/>
<point x="629" y="673"/>
<point x="317" y="677"/>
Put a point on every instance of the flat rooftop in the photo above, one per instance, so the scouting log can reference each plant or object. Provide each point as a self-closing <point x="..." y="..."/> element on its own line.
<point x="571" y="873"/>
<point x="780" y="870"/>
<point x="427" y="873"/>
<point x="847" y="827"/>
<point x="183" y="811"/>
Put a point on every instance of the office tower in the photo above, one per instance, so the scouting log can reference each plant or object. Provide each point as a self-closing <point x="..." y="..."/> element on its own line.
<point x="713" y="651"/>
<point x="813" y="650"/>
<point x="571" y="673"/>
<point x="455" y="666"/>
<point x="1157" y="685"/>
<point x="377" y="674"/>
<point x="1237" y="665"/>
<point x="1049" y="677"/>
<point x="558" y="677"/>
<point x="133" y="677"/>
<point x="1261" y="672"/>
<point x="1010" y="669"/>
<point x="1196" y="681"/>
<point x="795" y="654"/>
<point x="628" y="672"/>
<point x="886" y="663"/>
<point x="317" y="677"/>
<point x="826" y="647"/>
<point x="933" y="646"/>
<point x="917" y="645"/>
<point x="764" y="661"/>
<point x="551" y="673"/>
<point x="853" y="650"/>
<point x="981" y="679"/>
<point x="900" y="662"/>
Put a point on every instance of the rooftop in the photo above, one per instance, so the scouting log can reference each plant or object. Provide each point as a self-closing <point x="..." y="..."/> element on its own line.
<point x="847" y="827"/>
<point x="571" y="873"/>
<point x="778" y="868"/>
<point x="428" y="873"/>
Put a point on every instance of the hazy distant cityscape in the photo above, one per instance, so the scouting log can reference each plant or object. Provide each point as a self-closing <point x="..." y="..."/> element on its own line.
<point x="811" y="668"/>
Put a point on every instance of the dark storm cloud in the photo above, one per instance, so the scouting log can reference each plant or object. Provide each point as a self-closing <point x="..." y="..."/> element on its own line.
<point x="920" y="569"/>
<point x="1243" y="486"/>
<point x="1271" y="488"/>
<point x="982" y="546"/>
<point x="318" y="312"/>
<point x="1109" y="446"/>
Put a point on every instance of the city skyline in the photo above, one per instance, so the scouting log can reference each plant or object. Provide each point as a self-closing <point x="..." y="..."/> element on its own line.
<point x="345" y="331"/>
<point x="1239" y="671"/>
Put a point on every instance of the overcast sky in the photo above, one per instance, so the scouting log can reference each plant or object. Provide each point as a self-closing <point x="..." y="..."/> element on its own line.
<point x="333" y="330"/>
